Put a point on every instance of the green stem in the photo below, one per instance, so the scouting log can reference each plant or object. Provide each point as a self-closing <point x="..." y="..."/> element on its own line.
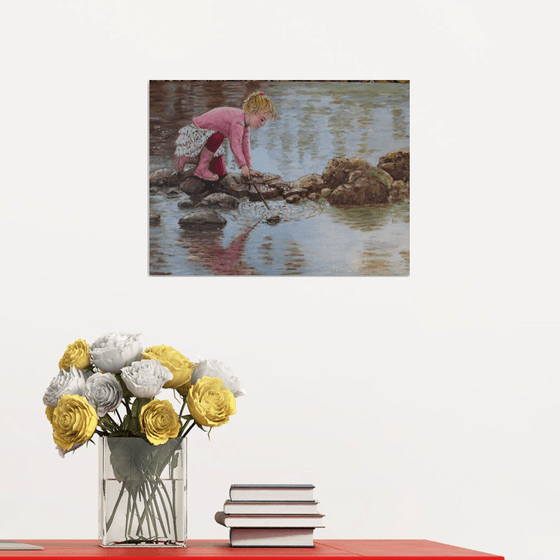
<point x="173" y="507"/>
<point x="153" y="514"/>
<point x="150" y="514"/>
<point x="159" y="482"/>
<point x="152" y="511"/>
<point x="152" y="508"/>
<point x="183" y="407"/>
<point x="128" y="521"/>
<point x="189" y="429"/>
<point x="140" y="527"/>
<point x="110" y="522"/>
<point x="155" y="501"/>
<point x="144" y="515"/>
<point x="150" y="504"/>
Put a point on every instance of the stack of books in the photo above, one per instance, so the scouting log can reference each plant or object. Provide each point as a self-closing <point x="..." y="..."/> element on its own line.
<point x="271" y="515"/>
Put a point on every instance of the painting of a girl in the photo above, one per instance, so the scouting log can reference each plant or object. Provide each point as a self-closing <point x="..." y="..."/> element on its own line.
<point x="329" y="161"/>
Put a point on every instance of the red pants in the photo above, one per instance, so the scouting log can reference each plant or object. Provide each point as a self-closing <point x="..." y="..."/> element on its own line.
<point x="217" y="164"/>
<point x="215" y="141"/>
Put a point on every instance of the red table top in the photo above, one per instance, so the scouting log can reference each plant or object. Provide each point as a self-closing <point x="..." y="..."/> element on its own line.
<point x="207" y="550"/>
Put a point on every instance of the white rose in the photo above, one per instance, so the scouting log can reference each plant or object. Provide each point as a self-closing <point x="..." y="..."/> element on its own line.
<point x="215" y="368"/>
<point x="112" y="352"/>
<point x="145" y="378"/>
<point x="104" y="392"/>
<point x="67" y="382"/>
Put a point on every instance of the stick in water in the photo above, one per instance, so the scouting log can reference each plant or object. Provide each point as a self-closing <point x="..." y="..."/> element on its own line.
<point x="261" y="194"/>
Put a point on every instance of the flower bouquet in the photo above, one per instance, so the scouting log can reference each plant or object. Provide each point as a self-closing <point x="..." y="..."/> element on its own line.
<point x="108" y="388"/>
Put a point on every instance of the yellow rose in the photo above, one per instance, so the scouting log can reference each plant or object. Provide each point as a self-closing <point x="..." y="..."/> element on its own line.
<point x="76" y="355"/>
<point x="174" y="361"/>
<point x="73" y="420"/>
<point x="210" y="403"/>
<point x="159" y="421"/>
<point x="49" y="412"/>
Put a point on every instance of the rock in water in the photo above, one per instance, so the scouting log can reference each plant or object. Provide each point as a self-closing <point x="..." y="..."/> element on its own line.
<point x="309" y="184"/>
<point x="173" y="192"/>
<point x="397" y="164"/>
<point x="272" y="220"/>
<point x="399" y="191"/>
<point x="355" y="182"/>
<point x="174" y="179"/>
<point x="202" y="219"/>
<point x="293" y="199"/>
<point x="160" y="177"/>
<point x="220" y="199"/>
<point x="186" y="203"/>
<point x="192" y="186"/>
<point x="226" y="181"/>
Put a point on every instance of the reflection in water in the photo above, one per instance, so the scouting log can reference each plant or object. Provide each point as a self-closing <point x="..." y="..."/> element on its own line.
<point x="332" y="242"/>
<point x="316" y="122"/>
<point x="265" y="250"/>
<point x="385" y="238"/>
<point x="338" y="122"/>
<point x="365" y="124"/>
<point x="368" y="218"/>
<point x="294" y="258"/>
<point x="205" y="247"/>
<point x="379" y="257"/>
<point x="400" y="123"/>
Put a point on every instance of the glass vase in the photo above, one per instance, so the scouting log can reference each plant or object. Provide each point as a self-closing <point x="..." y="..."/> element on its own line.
<point x="142" y="492"/>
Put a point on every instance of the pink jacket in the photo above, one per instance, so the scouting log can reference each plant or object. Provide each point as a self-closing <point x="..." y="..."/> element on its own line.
<point x="229" y="122"/>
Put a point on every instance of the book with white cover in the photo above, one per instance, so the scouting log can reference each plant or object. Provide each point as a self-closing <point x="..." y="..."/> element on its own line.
<point x="271" y="492"/>
<point x="257" y="508"/>
<point x="271" y="537"/>
<point x="276" y="521"/>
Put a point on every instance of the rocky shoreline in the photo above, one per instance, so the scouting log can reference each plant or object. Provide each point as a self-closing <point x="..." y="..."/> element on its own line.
<point x="345" y="182"/>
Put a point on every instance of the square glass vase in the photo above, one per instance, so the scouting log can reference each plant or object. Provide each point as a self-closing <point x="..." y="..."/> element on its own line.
<point x="142" y="492"/>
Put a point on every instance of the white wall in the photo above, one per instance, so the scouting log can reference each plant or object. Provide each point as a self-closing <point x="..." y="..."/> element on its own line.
<point x="421" y="407"/>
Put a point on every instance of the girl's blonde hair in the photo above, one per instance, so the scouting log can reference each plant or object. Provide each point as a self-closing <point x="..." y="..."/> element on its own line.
<point x="258" y="101"/>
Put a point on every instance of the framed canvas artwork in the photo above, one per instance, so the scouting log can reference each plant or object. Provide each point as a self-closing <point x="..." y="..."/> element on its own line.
<point x="279" y="178"/>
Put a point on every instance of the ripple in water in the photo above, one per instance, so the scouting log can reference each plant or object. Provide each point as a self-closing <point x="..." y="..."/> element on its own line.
<point x="250" y="212"/>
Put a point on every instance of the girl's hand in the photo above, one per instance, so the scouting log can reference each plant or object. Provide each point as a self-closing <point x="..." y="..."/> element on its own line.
<point x="256" y="173"/>
<point x="245" y="172"/>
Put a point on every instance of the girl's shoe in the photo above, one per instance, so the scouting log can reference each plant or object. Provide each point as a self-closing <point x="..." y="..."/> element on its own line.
<point x="218" y="166"/>
<point x="202" y="170"/>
